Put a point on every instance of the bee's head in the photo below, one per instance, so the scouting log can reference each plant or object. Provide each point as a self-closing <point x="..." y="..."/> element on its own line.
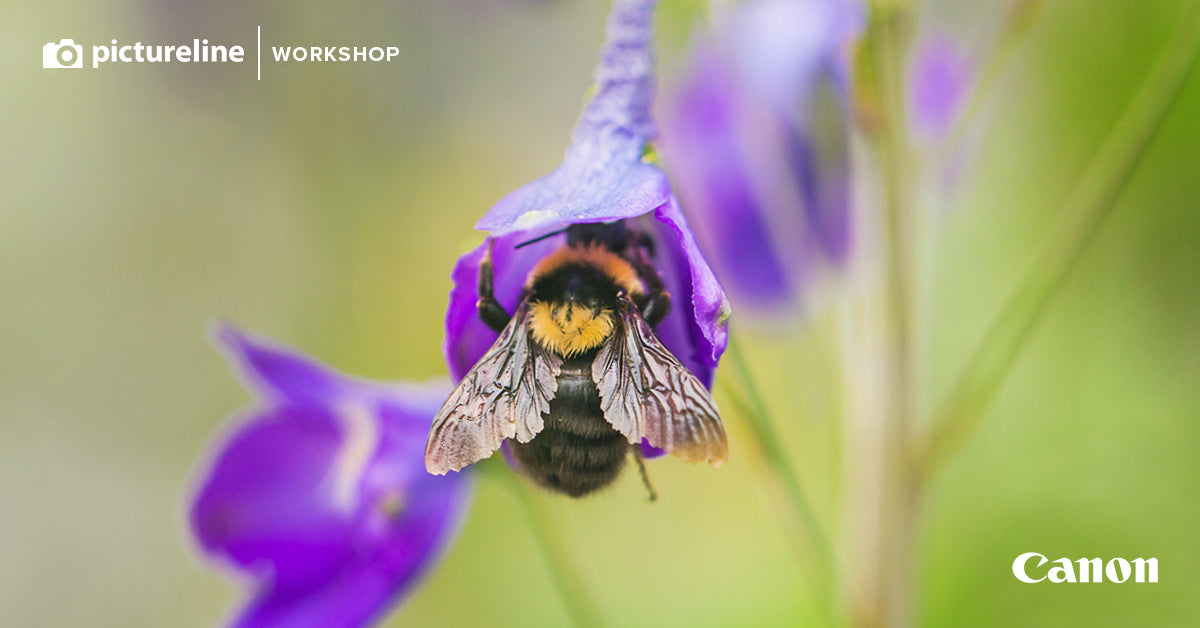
<point x="573" y="297"/>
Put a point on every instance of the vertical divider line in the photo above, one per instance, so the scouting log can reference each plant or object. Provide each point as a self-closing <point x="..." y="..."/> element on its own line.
<point x="258" y="52"/>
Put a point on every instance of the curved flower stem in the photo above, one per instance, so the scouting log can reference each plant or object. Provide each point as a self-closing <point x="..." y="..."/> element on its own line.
<point x="807" y="538"/>
<point x="1090" y="202"/>
<point x="563" y="574"/>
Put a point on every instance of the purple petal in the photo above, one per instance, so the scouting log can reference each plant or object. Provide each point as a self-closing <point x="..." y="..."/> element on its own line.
<point x="780" y="47"/>
<point x="696" y="330"/>
<point x="258" y="506"/>
<point x="757" y="141"/>
<point x="275" y="370"/>
<point x="650" y="452"/>
<point x="940" y="77"/>
<point x="817" y="153"/>
<point x="466" y="338"/>
<point x="793" y="57"/>
<point x="322" y="497"/>
<point x="703" y="151"/>
<point x="378" y="575"/>
<point x="602" y="177"/>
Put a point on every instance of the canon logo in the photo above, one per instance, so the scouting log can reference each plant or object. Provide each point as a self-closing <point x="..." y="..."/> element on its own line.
<point x="1084" y="569"/>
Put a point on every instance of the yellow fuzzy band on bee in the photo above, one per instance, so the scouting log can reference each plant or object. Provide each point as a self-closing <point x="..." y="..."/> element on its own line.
<point x="610" y="263"/>
<point x="569" y="329"/>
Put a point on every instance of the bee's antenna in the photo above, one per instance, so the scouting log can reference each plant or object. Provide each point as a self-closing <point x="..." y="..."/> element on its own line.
<point x="540" y="238"/>
<point x="637" y="455"/>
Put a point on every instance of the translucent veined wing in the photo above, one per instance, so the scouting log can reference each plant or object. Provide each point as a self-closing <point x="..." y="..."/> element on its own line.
<point x="645" y="392"/>
<point x="503" y="396"/>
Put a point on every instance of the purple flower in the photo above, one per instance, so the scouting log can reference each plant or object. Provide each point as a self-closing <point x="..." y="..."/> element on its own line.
<point x="756" y="138"/>
<point x="319" y="495"/>
<point x="939" y="80"/>
<point x="603" y="178"/>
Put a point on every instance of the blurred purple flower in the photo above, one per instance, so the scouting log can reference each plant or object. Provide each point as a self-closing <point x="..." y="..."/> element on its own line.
<point x="320" y="494"/>
<point x="757" y="140"/>
<point x="603" y="178"/>
<point x="939" y="80"/>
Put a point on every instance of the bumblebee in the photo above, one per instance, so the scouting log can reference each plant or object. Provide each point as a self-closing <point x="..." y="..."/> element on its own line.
<point x="577" y="377"/>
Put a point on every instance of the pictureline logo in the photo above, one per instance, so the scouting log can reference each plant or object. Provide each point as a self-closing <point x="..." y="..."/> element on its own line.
<point x="66" y="54"/>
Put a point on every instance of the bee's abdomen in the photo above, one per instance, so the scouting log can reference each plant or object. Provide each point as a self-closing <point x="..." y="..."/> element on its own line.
<point x="578" y="451"/>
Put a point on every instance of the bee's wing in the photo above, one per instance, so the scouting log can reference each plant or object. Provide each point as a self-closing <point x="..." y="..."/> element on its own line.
<point x="645" y="392"/>
<point x="503" y="396"/>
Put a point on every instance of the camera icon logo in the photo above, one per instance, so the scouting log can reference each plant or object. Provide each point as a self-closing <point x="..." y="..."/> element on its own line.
<point x="65" y="54"/>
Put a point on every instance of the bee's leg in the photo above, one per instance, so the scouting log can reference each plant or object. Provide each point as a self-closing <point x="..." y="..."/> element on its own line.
<point x="641" y="465"/>
<point x="490" y="311"/>
<point x="658" y="300"/>
<point x="658" y="305"/>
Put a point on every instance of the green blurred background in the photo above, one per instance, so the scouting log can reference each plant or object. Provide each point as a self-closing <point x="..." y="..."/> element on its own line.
<point x="325" y="205"/>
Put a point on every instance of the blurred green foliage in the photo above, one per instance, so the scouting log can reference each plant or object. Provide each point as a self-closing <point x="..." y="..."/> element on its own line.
<point x="325" y="205"/>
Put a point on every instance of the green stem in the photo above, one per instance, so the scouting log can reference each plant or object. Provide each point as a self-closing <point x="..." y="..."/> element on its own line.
<point x="553" y="548"/>
<point x="890" y="574"/>
<point x="807" y="538"/>
<point x="1089" y="204"/>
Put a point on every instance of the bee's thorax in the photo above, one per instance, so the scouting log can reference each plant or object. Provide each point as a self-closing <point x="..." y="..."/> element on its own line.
<point x="570" y="328"/>
<point x="614" y="268"/>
